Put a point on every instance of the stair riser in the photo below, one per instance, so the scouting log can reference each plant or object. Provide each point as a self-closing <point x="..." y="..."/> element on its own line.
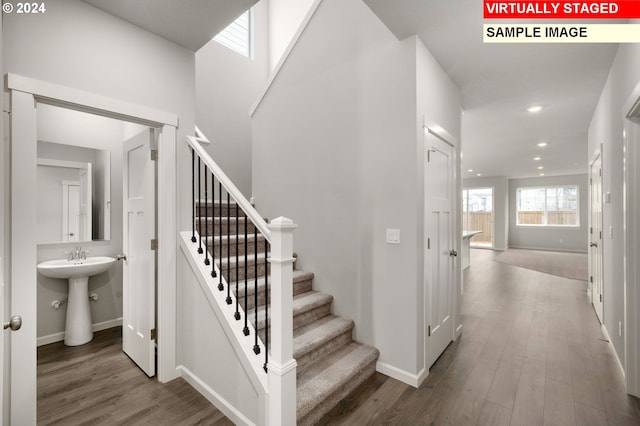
<point x="227" y="228"/>
<point x="298" y="288"/>
<point x="299" y="320"/>
<point x="325" y="349"/>
<point x="219" y="211"/>
<point x="239" y="274"/>
<point x="231" y="248"/>
<point x="308" y="317"/>
<point x="325" y="406"/>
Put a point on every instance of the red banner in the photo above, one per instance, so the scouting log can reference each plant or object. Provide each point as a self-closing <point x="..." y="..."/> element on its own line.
<point x="563" y="9"/>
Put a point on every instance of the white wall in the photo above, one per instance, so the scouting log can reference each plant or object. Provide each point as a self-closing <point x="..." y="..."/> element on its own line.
<point x="336" y="148"/>
<point x="549" y="237"/>
<point x="607" y="129"/>
<point x="500" y="187"/>
<point x="285" y="17"/>
<point x="227" y="85"/>
<point x="63" y="126"/>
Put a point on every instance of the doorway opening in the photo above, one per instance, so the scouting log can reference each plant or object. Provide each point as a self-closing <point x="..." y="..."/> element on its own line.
<point x="86" y="173"/>
<point x="477" y="215"/>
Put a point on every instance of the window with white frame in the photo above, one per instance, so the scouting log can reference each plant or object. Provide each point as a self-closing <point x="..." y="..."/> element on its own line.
<point x="238" y="35"/>
<point x="547" y="206"/>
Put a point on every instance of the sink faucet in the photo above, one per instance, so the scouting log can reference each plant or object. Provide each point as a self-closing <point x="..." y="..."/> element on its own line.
<point x="78" y="254"/>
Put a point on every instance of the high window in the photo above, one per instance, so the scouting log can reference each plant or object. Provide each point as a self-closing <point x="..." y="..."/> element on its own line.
<point x="551" y="206"/>
<point x="238" y="35"/>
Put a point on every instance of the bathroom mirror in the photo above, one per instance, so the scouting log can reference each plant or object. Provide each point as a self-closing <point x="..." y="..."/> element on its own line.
<point x="73" y="189"/>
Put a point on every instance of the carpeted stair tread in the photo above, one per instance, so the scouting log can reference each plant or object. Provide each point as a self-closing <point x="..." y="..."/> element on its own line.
<point x="232" y="260"/>
<point x="298" y="277"/>
<point x="224" y="219"/>
<point x="316" y="340"/>
<point x="326" y="379"/>
<point x="232" y="239"/>
<point x="310" y="336"/>
<point x="302" y="303"/>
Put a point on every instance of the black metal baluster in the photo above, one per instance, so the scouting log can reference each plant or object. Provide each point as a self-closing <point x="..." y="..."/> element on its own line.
<point x="237" y="314"/>
<point x="200" y="212"/>
<point x="266" y="306"/>
<point x="229" y="301"/>
<point x="206" y="221"/>
<point x="220" y="285"/>
<point x="245" y="330"/>
<point x="193" y="196"/>
<point x="256" y="347"/>
<point x="213" y="226"/>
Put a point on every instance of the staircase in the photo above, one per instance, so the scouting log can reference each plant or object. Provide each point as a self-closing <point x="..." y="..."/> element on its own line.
<point x="330" y="365"/>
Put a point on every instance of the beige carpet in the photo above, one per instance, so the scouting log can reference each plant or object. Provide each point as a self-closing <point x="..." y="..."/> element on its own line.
<point x="563" y="264"/>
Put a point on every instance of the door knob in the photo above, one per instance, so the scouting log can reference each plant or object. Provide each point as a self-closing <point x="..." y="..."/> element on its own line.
<point x="593" y="245"/>
<point x="121" y="257"/>
<point x="453" y="253"/>
<point x="14" y="323"/>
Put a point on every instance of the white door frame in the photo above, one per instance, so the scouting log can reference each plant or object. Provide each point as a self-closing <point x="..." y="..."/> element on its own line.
<point x="631" y="212"/>
<point x="25" y="93"/>
<point x="456" y="229"/>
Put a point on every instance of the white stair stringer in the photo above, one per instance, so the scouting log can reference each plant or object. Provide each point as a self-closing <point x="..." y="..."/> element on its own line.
<point x="242" y="345"/>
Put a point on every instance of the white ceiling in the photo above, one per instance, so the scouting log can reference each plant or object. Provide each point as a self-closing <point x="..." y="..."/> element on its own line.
<point x="498" y="81"/>
<point x="188" y="23"/>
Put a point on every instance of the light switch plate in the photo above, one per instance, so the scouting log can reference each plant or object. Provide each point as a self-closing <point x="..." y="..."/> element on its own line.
<point x="393" y="236"/>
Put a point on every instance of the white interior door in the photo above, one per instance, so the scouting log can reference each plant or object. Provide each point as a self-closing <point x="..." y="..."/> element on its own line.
<point x="440" y="252"/>
<point x="139" y="269"/>
<point x="595" y="237"/>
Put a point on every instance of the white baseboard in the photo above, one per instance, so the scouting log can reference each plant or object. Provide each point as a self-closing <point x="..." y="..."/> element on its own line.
<point x="613" y="349"/>
<point x="414" y="380"/>
<point x="221" y="404"/>
<point x="57" y="337"/>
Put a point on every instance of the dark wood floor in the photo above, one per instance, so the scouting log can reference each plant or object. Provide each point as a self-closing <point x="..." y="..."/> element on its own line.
<point x="531" y="353"/>
<point x="96" y="384"/>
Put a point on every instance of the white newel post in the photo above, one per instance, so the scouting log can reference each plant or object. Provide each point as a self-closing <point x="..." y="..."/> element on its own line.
<point x="281" y="366"/>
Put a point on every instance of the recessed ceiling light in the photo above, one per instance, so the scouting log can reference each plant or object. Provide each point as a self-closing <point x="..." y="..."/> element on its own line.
<point x="470" y="170"/>
<point x="540" y="167"/>
<point x="479" y="174"/>
<point x="542" y="144"/>
<point x="537" y="158"/>
<point x="534" y="108"/>
<point x="541" y="174"/>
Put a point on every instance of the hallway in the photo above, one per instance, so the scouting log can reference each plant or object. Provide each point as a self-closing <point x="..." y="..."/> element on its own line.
<point x="531" y="353"/>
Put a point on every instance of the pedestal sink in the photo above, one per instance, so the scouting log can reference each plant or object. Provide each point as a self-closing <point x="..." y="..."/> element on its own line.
<point x="78" y="326"/>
